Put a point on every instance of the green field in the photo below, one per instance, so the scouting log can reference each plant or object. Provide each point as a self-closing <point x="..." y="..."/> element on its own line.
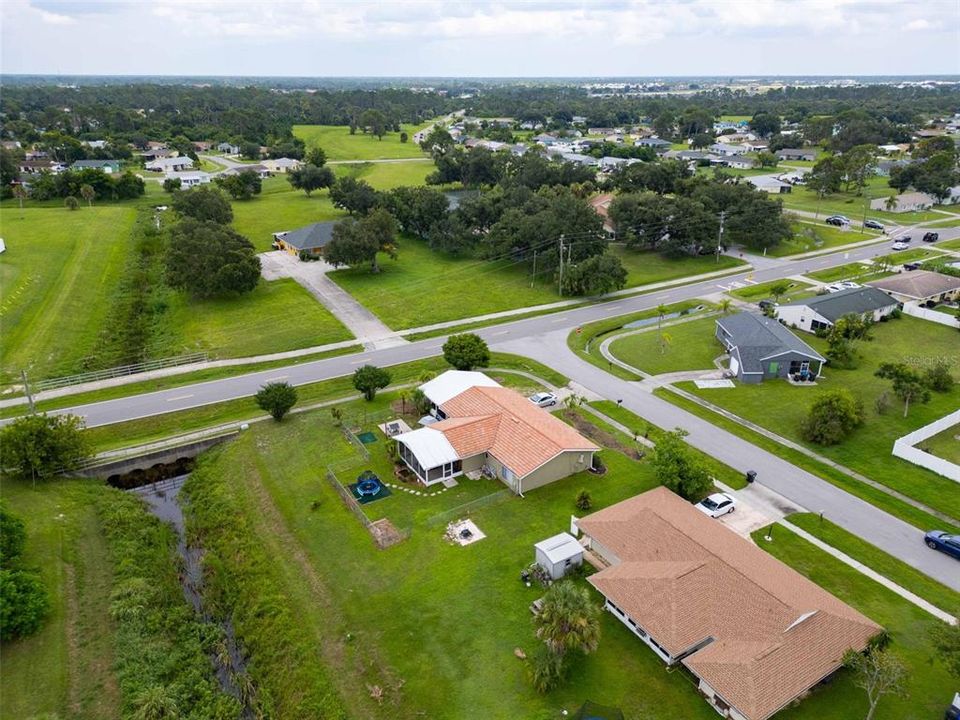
<point x="384" y="176"/>
<point x="278" y="315"/>
<point x="57" y="278"/>
<point x="761" y="291"/>
<point x="929" y="686"/>
<point x="688" y="346"/>
<point x="339" y="144"/>
<point x="850" y="271"/>
<point x="854" y="206"/>
<point x="646" y="267"/>
<point x="779" y="407"/>
<point x="810" y="236"/>
<point x="303" y="544"/>
<point x="950" y="244"/>
<point x="944" y="444"/>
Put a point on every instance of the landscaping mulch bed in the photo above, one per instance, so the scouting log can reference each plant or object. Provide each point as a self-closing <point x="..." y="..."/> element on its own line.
<point x="601" y="437"/>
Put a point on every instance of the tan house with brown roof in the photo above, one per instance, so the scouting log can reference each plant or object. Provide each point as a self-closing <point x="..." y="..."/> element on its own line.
<point x="755" y="633"/>
<point x="493" y="429"/>
<point x="920" y="286"/>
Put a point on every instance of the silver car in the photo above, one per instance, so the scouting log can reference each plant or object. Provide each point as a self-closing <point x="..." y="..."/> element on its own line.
<point x="544" y="399"/>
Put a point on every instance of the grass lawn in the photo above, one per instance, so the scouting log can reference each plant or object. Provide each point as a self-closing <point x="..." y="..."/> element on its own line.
<point x="689" y="346"/>
<point x="921" y="253"/>
<point x="945" y="444"/>
<point x="853" y="206"/>
<point x="780" y="407"/>
<point x="585" y="341"/>
<point x="57" y="276"/>
<point x="646" y="267"/>
<point x="928" y="685"/>
<point x="422" y="593"/>
<point x="761" y="291"/>
<point x="280" y="207"/>
<point x="278" y="315"/>
<point x="384" y="176"/>
<point x="66" y="668"/>
<point x="850" y="271"/>
<point x="210" y="166"/>
<point x="339" y="144"/>
<point x="904" y="575"/>
<point x="811" y="236"/>
<point x="950" y="244"/>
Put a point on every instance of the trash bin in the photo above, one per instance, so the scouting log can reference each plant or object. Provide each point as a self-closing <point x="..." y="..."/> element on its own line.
<point x="751" y="475"/>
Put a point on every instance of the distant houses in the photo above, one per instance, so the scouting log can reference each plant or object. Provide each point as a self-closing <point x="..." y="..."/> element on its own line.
<point x="228" y="148"/>
<point x="189" y="178"/>
<point x="905" y="202"/>
<point x="770" y="184"/>
<point x="107" y="166"/>
<point x="823" y="311"/>
<point x="796" y="154"/>
<point x="282" y="165"/>
<point x="169" y="164"/>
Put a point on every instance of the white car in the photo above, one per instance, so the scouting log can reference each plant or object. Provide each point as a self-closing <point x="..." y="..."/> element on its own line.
<point x="848" y="284"/>
<point x="544" y="399"/>
<point x="717" y="505"/>
<point x="899" y="246"/>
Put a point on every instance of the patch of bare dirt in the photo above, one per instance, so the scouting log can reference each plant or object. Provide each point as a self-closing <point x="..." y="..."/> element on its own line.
<point x="599" y="436"/>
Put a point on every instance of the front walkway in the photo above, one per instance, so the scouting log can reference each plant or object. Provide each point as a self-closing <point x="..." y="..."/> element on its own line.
<point x="366" y="326"/>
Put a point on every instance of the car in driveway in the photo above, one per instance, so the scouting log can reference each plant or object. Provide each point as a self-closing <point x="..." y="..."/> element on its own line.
<point x="544" y="399"/>
<point x="873" y="225"/>
<point x="944" y="542"/>
<point x="848" y="284"/>
<point x="931" y="237"/>
<point x="838" y="220"/>
<point x="717" y="505"/>
<point x="899" y="245"/>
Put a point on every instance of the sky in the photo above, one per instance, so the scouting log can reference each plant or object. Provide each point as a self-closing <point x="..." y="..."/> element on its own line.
<point x="432" y="38"/>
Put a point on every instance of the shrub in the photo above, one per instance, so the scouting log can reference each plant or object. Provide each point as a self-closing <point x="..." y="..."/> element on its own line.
<point x="276" y="398"/>
<point x="368" y="379"/>
<point x="71" y="203"/>
<point x="833" y="415"/>
<point x="23" y="603"/>
<point x="882" y="403"/>
<point x="547" y="669"/>
<point x="938" y="377"/>
<point x="39" y="446"/>
<point x="466" y="351"/>
<point x="584" y="502"/>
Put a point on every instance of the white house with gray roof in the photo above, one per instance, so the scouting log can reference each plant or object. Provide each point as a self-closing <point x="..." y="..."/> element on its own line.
<point x="761" y="349"/>
<point x="823" y="311"/>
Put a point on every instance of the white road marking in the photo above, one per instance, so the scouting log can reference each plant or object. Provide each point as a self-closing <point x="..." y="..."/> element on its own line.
<point x="278" y="378"/>
<point x="359" y="362"/>
<point x="560" y="319"/>
<point x="180" y="397"/>
<point x="502" y="332"/>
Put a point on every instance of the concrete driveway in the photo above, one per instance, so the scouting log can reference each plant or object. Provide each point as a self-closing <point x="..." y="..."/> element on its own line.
<point x="366" y="326"/>
<point x="757" y="507"/>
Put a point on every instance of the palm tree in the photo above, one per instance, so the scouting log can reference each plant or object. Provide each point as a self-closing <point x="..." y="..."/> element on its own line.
<point x="725" y="305"/>
<point x="666" y="340"/>
<point x="891" y="203"/>
<point x="20" y="193"/>
<point x="70" y="202"/>
<point x="155" y="703"/>
<point x="779" y="289"/>
<point x="88" y="193"/>
<point x="404" y="395"/>
<point x="661" y="313"/>
<point x="568" y="619"/>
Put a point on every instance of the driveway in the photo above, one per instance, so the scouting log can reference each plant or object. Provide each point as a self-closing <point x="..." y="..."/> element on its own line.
<point x="366" y="326"/>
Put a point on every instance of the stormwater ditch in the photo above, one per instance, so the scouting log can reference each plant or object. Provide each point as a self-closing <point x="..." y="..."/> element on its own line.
<point x="162" y="498"/>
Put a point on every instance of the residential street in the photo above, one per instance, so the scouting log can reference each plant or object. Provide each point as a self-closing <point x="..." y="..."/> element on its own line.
<point x="544" y="338"/>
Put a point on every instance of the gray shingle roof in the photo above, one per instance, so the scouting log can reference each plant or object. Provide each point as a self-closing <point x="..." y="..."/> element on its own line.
<point x="311" y="236"/>
<point x="855" y="300"/>
<point x="757" y="337"/>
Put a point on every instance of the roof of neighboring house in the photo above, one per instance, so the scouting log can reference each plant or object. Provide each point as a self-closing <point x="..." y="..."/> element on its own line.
<point x="833" y="306"/>
<point x="502" y="422"/>
<point x="795" y="151"/>
<point x="310" y="236"/>
<point x="430" y="446"/>
<point x="763" y="182"/>
<point x="285" y="162"/>
<point x="770" y="633"/>
<point x="757" y="338"/>
<point x="170" y="162"/>
<point x="918" y="284"/>
<point x="560" y="547"/>
<point x="453" y="382"/>
<point x="95" y="163"/>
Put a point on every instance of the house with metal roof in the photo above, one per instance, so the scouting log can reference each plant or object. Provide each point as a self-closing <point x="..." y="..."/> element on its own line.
<point x="760" y="348"/>
<point x="558" y="554"/>
<point x="495" y="431"/>
<point x="310" y="238"/>
<point x="823" y="311"/>
<point x="756" y="634"/>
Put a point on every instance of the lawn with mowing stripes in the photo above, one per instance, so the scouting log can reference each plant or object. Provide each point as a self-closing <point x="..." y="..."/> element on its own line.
<point x="680" y="346"/>
<point x="387" y="175"/>
<point x="809" y="236"/>
<point x="58" y="275"/>
<point x="339" y="144"/>
<point x="928" y="685"/>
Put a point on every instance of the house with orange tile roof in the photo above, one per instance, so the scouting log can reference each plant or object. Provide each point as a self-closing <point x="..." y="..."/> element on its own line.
<point x="480" y="426"/>
<point x="756" y="634"/>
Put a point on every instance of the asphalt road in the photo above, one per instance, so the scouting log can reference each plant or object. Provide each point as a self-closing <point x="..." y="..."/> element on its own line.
<point x="544" y="338"/>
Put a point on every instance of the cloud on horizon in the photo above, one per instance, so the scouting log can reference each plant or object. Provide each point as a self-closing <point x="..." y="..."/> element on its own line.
<point x="430" y="37"/>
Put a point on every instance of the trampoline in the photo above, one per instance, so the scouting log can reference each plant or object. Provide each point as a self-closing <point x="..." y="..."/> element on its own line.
<point x="368" y="484"/>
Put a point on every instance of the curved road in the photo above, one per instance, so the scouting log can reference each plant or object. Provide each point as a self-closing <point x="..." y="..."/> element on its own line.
<point x="544" y="339"/>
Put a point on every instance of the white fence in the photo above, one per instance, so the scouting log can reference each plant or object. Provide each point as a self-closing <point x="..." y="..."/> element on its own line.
<point x="931" y="315"/>
<point x="904" y="447"/>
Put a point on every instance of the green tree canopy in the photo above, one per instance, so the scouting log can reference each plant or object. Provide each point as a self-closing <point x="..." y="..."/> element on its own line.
<point x="208" y="259"/>
<point x="242" y="185"/>
<point x="832" y="416"/>
<point x="908" y="383"/>
<point x="38" y="446"/>
<point x="311" y="177"/>
<point x="203" y="203"/>
<point x="357" y="197"/>
<point x="466" y="351"/>
<point x="597" y="275"/>
<point x="356" y="242"/>
<point x="678" y="469"/>
<point x="369" y="378"/>
<point x="276" y="398"/>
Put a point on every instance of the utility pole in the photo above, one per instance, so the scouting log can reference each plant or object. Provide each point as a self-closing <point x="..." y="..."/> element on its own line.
<point x="723" y="216"/>
<point x="560" y="274"/>
<point x="533" y="279"/>
<point x="26" y="390"/>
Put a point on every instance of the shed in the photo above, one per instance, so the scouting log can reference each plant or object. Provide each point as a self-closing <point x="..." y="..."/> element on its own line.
<point x="558" y="554"/>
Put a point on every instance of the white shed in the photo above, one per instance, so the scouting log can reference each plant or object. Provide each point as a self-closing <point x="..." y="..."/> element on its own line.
<point x="558" y="554"/>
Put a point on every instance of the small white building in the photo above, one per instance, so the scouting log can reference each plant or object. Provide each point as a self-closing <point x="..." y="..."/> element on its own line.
<point x="281" y="165"/>
<point x="189" y="179"/>
<point x="170" y="164"/>
<point x="823" y="311"/>
<point x="558" y="554"/>
<point x="905" y="202"/>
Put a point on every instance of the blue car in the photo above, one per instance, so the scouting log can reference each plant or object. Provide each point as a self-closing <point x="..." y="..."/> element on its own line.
<point x="944" y="542"/>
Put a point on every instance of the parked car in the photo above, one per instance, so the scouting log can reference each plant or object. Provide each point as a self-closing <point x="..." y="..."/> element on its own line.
<point x="899" y="245"/>
<point x="767" y="304"/>
<point x="911" y="266"/>
<point x="717" y="505"/>
<point x="904" y="239"/>
<point x="848" y="284"/>
<point x="931" y="237"/>
<point x="544" y="399"/>
<point x="873" y="225"/>
<point x="838" y="220"/>
<point x="944" y="542"/>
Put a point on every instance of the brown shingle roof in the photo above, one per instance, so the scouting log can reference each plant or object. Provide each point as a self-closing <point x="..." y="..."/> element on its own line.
<point x="918" y="284"/>
<point x="508" y="426"/>
<point x="687" y="579"/>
